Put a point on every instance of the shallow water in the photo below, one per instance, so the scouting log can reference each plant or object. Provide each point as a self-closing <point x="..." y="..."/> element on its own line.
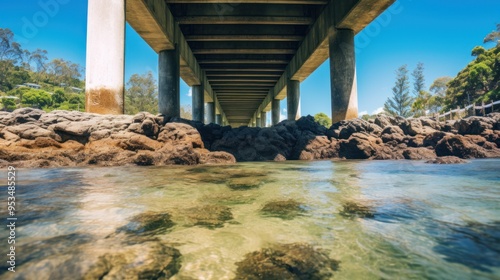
<point x="425" y="221"/>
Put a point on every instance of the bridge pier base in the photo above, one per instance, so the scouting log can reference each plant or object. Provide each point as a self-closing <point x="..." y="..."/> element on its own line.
<point x="169" y="83"/>
<point x="275" y="111"/>
<point x="293" y="99"/>
<point x="210" y="113"/>
<point x="105" y="64"/>
<point x="263" y="119"/>
<point x="343" y="76"/>
<point x="198" y="103"/>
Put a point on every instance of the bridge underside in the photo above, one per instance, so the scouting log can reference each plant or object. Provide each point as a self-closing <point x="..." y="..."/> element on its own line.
<point x="244" y="55"/>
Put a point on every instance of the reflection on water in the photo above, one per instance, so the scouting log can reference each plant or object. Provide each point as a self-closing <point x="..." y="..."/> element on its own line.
<point x="290" y="220"/>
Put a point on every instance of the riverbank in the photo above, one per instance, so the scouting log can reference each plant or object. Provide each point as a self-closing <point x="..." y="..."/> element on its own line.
<point x="32" y="138"/>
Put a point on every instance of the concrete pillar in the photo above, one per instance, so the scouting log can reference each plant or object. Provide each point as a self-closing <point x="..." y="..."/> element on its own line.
<point x="218" y="119"/>
<point x="198" y="103"/>
<point x="343" y="76"/>
<point x="258" y="123"/>
<point x="169" y="103"/>
<point x="104" y="84"/>
<point x="210" y="112"/>
<point x="293" y="99"/>
<point x="275" y="111"/>
<point x="263" y="119"/>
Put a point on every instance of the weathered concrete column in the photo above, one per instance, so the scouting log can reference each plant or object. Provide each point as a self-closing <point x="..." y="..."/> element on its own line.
<point x="293" y="99"/>
<point x="258" y="122"/>
<point x="169" y="83"/>
<point x="210" y="113"/>
<point x="343" y="76"/>
<point x="276" y="111"/>
<point x="218" y="119"/>
<point x="263" y="119"/>
<point x="105" y="57"/>
<point x="198" y="103"/>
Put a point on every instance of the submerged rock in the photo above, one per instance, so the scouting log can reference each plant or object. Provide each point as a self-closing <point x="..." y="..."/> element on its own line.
<point x="244" y="183"/>
<point x="285" y="209"/>
<point x="148" y="223"/>
<point x="230" y="198"/>
<point x="286" y="261"/>
<point x="209" y="216"/>
<point x="447" y="160"/>
<point x="148" y="260"/>
<point x="352" y="209"/>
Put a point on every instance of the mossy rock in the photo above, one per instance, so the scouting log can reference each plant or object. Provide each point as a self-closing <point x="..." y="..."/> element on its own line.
<point x="285" y="209"/>
<point x="230" y="198"/>
<point x="354" y="209"/>
<point x="286" y="261"/>
<point x="148" y="223"/>
<point x="209" y="216"/>
<point x="243" y="183"/>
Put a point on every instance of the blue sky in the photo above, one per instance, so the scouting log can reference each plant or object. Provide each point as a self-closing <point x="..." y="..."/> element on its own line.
<point x="440" y="34"/>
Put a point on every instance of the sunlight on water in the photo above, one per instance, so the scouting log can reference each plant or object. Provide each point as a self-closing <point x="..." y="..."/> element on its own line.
<point x="380" y="219"/>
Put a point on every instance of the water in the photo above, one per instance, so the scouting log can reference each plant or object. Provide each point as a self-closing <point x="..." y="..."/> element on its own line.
<point x="422" y="221"/>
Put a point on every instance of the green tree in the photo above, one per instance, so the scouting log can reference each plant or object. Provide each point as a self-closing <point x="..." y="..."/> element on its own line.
<point x="493" y="36"/>
<point x="477" y="51"/>
<point x="8" y="104"/>
<point x="186" y="112"/>
<point x="323" y="120"/>
<point x="59" y="97"/>
<point x="421" y="104"/>
<point x="438" y="90"/>
<point x="38" y="98"/>
<point x="141" y="94"/>
<point x="400" y="103"/>
<point x="418" y="79"/>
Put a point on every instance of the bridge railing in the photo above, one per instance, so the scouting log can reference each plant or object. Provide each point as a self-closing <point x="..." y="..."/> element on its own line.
<point x="468" y="111"/>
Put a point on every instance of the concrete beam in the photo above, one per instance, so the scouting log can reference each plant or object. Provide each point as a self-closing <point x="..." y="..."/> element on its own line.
<point x="104" y="86"/>
<point x="244" y="20"/>
<point x="169" y="83"/>
<point x="198" y="101"/>
<point x="245" y="38"/>
<point x="293" y="2"/>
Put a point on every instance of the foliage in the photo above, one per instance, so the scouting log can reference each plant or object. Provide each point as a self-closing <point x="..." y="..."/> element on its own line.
<point x="421" y="104"/>
<point x="8" y="104"/>
<point x="400" y="103"/>
<point x="323" y="119"/>
<point x="141" y="94"/>
<point x="418" y="79"/>
<point x="493" y="36"/>
<point x="58" y="97"/>
<point x="36" y="98"/>
<point x="186" y="112"/>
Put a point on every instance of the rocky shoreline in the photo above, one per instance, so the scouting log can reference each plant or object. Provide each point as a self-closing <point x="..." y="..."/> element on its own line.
<point x="32" y="138"/>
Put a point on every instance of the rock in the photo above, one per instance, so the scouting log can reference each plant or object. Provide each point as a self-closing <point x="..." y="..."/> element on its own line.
<point x="244" y="183"/>
<point x="352" y="209"/>
<point x="149" y="223"/>
<point x="384" y="121"/>
<point x="287" y="261"/>
<point x="217" y="158"/>
<point x="284" y="209"/>
<point x="419" y="153"/>
<point x="30" y="131"/>
<point x="413" y="127"/>
<point x="348" y="128"/>
<point x="474" y="125"/>
<point x="359" y="146"/>
<point x="459" y="146"/>
<point x="447" y="160"/>
<point x="209" y="216"/>
<point x="180" y="133"/>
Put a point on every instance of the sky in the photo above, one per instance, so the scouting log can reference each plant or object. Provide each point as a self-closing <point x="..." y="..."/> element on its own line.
<point x="440" y="34"/>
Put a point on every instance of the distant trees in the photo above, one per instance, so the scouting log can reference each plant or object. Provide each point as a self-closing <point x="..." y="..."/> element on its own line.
<point x="400" y="103"/>
<point x="323" y="119"/>
<point x="438" y="88"/>
<point x="493" y="36"/>
<point x="141" y="94"/>
<point x="186" y="112"/>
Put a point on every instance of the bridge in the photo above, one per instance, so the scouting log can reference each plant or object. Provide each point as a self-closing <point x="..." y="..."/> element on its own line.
<point x="240" y="57"/>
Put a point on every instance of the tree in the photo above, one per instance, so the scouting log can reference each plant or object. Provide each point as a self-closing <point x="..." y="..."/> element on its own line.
<point x="493" y="36"/>
<point x="35" y="97"/>
<point x="421" y="104"/>
<point x="141" y="94"/>
<point x="477" y="51"/>
<point x="418" y="79"/>
<point x="186" y="112"/>
<point x="8" y="104"/>
<point x="438" y="90"/>
<point x="58" y="97"/>
<point x="399" y="104"/>
<point x="323" y="119"/>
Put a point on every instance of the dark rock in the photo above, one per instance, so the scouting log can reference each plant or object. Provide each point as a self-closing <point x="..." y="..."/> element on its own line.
<point x="285" y="209"/>
<point x="352" y="209"/>
<point x="419" y="153"/>
<point x="209" y="216"/>
<point x="149" y="223"/>
<point x="459" y="146"/>
<point x="244" y="183"/>
<point x="287" y="261"/>
<point x="359" y="146"/>
<point x="447" y="160"/>
<point x="474" y="125"/>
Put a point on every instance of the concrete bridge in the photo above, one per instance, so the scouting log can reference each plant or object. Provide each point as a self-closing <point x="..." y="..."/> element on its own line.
<point x="240" y="57"/>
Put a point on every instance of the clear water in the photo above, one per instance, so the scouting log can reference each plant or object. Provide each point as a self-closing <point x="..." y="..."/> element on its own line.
<point x="430" y="221"/>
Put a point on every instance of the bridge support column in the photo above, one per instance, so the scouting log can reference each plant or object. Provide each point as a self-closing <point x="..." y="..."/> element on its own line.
<point x="105" y="57"/>
<point x="169" y="83"/>
<point x="293" y="99"/>
<point x="258" y="122"/>
<point x="263" y="119"/>
<point x="198" y="103"/>
<point x="218" y="119"/>
<point x="343" y="75"/>
<point x="210" y="112"/>
<point x="275" y="111"/>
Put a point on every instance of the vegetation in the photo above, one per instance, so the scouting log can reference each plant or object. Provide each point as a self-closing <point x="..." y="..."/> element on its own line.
<point x="323" y="119"/>
<point x="400" y="103"/>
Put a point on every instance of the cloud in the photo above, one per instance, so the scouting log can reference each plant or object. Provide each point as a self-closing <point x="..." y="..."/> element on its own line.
<point x="284" y="110"/>
<point x="378" y="111"/>
<point x="362" y="113"/>
<point x="190" y="93"/>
